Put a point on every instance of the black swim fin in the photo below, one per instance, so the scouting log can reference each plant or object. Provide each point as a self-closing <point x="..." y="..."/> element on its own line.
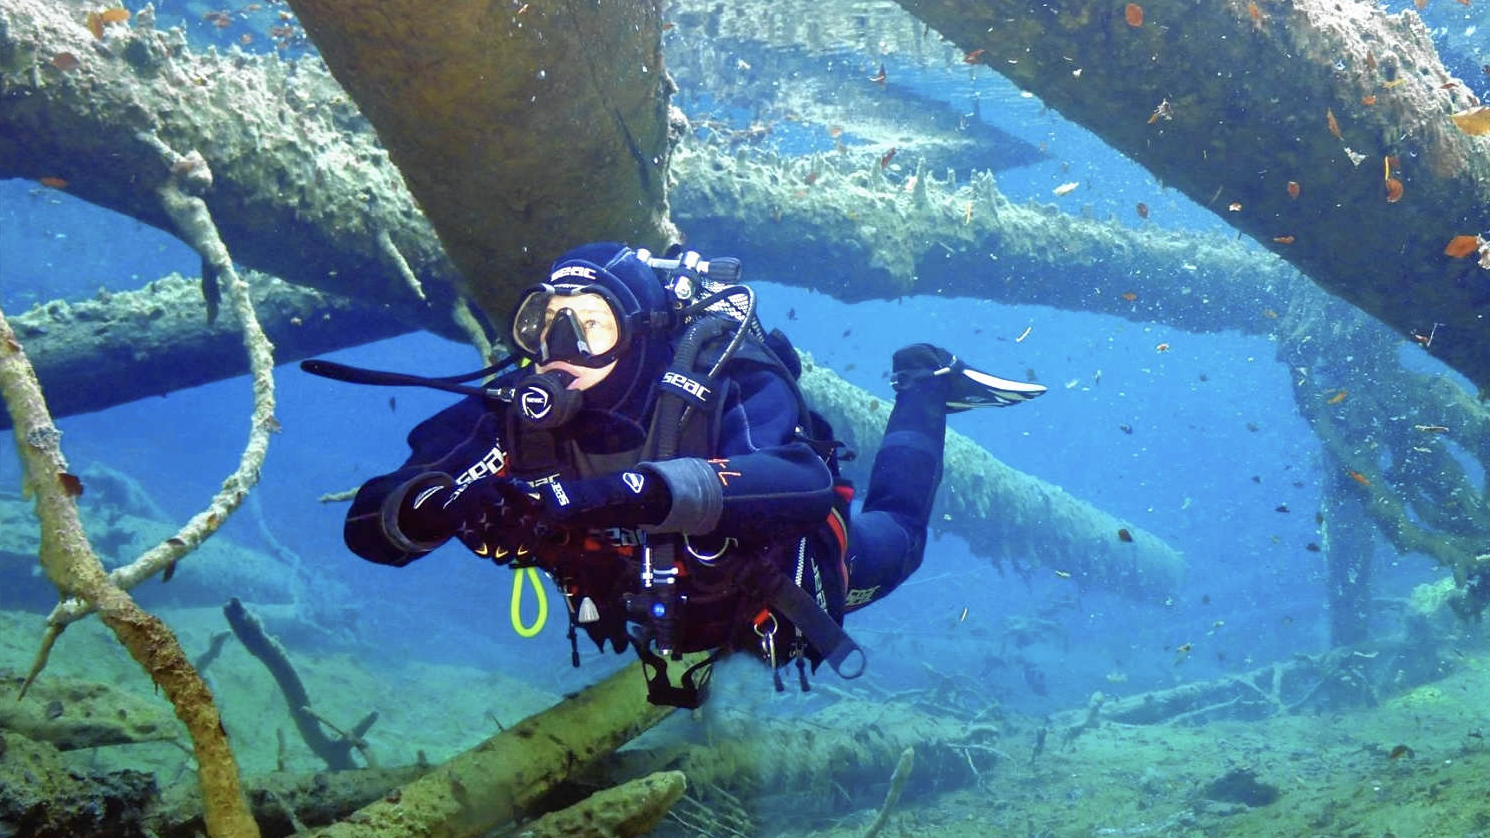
<point x="967" y="388"/>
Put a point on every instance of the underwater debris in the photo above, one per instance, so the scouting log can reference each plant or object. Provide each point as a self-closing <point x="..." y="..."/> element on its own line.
<point x="1143" y="210"/>
<point x="1241" y="786"/>
<point x="1462" y="246"/>
<point x="1294" y="189"/>
<point x="1394" y="190"/>
<point x="1133" y="14"/>
<point x="1332" y="123"/>
<point x="71" y="484"/>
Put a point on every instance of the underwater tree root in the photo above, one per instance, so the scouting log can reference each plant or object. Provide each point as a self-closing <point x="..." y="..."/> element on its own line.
<point x="75" y="569"/>
<point x="187" y="176"/>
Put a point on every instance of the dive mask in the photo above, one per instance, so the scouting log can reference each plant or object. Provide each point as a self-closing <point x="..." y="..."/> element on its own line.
<point x="581" y="324"/>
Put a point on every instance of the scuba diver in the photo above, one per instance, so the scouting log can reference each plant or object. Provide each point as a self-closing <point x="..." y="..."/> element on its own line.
<point x="654" y="455"/>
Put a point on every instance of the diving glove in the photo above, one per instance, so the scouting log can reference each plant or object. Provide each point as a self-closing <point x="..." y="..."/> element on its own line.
<point x="496" y="517"/>
<point x="966" y="388"/>
<point x="623" y="499"/>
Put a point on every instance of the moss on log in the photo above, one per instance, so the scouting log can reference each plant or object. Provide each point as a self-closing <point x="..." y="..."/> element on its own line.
<point x="300" y="188"/>
<point x="1229" y="102"/>
<point x="520" y="129"/>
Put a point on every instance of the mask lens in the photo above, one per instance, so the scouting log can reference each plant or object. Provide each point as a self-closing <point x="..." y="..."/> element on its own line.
<point x="566" y="323"/>
<point x="590" y="315"/>
<point x="529" y="321"/>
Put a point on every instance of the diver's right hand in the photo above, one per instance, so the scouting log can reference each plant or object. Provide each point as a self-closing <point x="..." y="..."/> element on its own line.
<point x="496" y="517"/>
<point x="493" y="516"/>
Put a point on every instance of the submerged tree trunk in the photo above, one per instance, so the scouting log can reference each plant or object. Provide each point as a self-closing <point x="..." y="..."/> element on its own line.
<point x="1232" y="102"/>
<point x="522" y="131"/>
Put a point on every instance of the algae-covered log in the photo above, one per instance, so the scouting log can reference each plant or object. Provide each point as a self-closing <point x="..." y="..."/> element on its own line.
<point x="491" y="783"/>
<point x="300" y="188"/>
<point x="1230" y="102"/>
<point x="118" y="347"/>
<point x="1003" y="513"/>
<point x="522" y="129"/>
<point x="839" y="225"/>
<point x="283" y="803"/>
<point x="70" y="713"/>
<point x="628" y="810"/>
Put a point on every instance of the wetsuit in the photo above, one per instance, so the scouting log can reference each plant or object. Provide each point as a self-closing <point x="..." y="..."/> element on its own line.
<point x="762" y="491"/>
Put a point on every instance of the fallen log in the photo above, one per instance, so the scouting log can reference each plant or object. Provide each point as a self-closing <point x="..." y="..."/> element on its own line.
<point x="119" y="347"/>
<point x="1232" y="102"/>
<point x="70" y="713"/>
<point x="300" y="188"/>
<point x="492" y="783"/>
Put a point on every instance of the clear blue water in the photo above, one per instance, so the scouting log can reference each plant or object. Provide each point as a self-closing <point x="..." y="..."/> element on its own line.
<point x="1191" y="470"/>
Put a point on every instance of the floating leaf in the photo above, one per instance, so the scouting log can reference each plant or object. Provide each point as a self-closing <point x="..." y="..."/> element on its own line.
<point x="1133" y="13"/>
<point x="1462" y="246"/>
<point x="1334" y="124"/>
<point x="1394" y="190"/>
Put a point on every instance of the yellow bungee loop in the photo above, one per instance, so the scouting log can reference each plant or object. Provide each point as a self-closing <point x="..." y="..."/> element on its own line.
<point x="517" y="602"/>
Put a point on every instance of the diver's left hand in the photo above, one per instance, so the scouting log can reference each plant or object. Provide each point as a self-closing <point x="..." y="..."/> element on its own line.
<point x="623" y="499"/>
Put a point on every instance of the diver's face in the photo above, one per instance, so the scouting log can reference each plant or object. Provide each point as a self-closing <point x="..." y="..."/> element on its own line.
<point x="601" y="333"/>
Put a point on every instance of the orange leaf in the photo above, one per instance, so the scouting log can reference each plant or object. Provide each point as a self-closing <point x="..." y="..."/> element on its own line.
<point x="1329" y="119"/>
<point x="1461" y="246"/>
<point x="1133" y="13"/>
<point x="1394" y="190"/>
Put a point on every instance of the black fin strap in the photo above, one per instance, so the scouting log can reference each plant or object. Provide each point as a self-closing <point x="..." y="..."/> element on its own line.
<point x="825" y="635"/>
